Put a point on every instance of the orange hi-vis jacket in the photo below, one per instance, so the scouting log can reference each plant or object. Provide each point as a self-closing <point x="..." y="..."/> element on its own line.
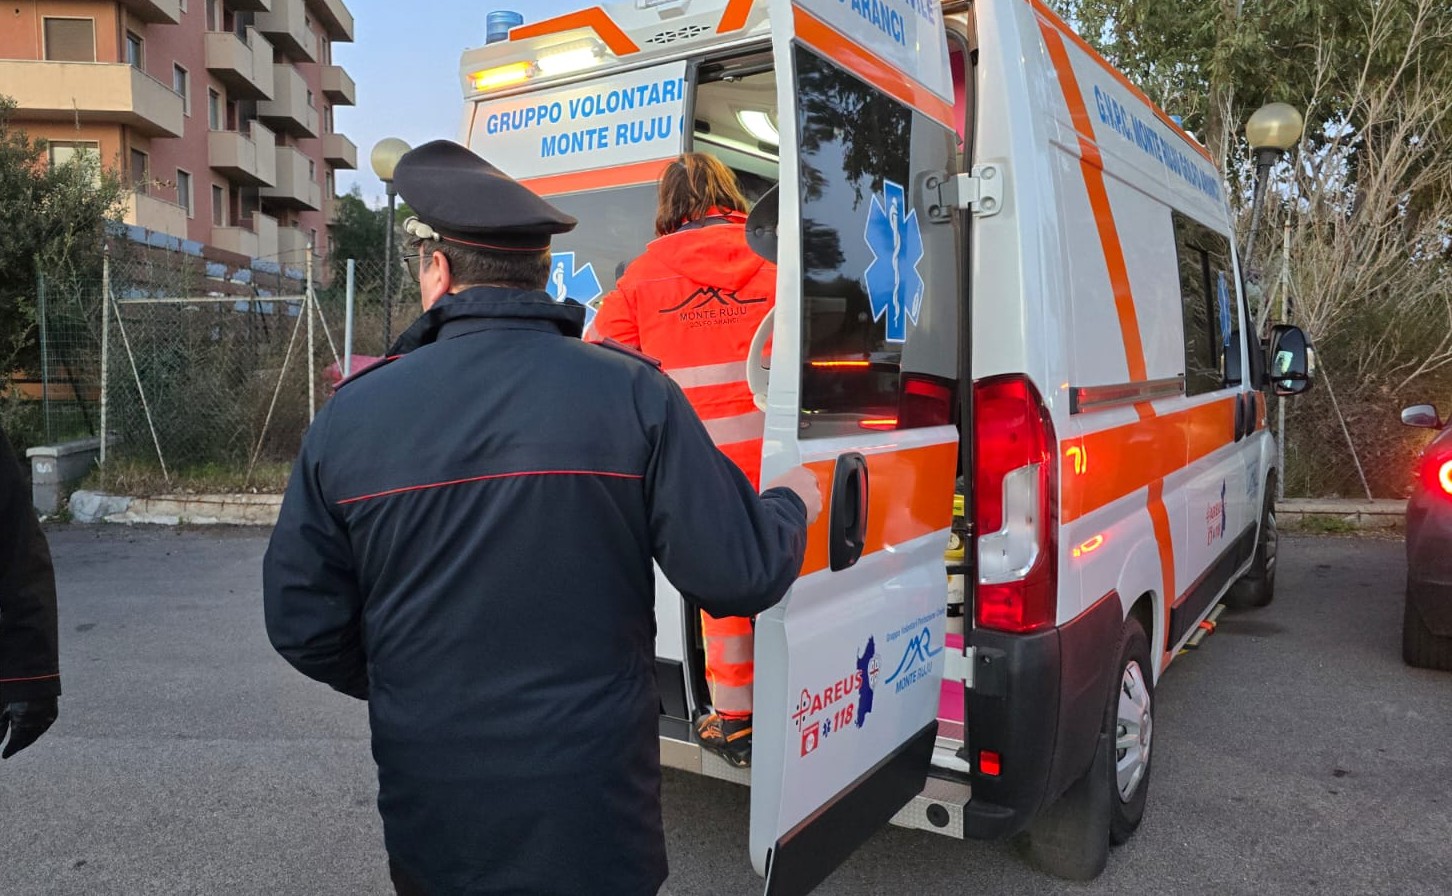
<point x="694" y="301"/>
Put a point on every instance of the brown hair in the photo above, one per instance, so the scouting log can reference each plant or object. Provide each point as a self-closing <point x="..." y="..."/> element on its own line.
<point x="692" y="186"/>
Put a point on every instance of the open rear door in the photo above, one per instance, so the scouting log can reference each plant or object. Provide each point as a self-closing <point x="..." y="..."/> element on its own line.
<point x="862" y="390"/>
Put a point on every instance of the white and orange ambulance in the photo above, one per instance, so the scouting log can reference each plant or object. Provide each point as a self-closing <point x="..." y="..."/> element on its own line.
<point x="1003" y="274"/>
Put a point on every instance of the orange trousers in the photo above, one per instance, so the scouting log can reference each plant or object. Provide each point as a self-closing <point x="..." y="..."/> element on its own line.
<point x="730" y="664"/>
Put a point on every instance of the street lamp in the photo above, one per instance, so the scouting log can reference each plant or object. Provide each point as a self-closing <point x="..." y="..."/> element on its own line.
<point x="385" y="156"/>
<point x="1272" y="131"/>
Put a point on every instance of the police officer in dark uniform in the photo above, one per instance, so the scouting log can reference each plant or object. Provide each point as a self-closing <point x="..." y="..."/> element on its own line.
<point x="466" y="543"/>
<point x="29" y="654"/>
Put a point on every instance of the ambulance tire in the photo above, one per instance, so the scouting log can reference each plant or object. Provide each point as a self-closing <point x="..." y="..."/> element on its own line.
<point x="1257" y="588"/>
<point x="1071" y="838"/>
<point x="1134" y="652"/>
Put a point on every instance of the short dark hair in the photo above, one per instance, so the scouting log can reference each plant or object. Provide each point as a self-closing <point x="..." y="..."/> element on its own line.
<point x="480" y="267"/>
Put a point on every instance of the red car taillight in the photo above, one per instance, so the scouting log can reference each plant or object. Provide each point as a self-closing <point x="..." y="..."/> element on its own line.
<point x="1015" y="484"/>
<point x="1437" y="474"/>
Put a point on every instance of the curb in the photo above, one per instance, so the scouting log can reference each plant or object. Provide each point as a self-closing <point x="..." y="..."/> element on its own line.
<point x="1348" y="514"/>
<point x="176" y="510"/>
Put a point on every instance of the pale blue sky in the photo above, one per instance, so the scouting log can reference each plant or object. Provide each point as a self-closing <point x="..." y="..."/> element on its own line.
<point x="405" y="59"/>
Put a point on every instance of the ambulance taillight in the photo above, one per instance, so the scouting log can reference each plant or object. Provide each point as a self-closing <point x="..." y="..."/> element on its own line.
<point x="1015" y="480"/>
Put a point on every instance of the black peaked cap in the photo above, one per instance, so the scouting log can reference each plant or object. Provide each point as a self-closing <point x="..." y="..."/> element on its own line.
<point x="469" y="201"/>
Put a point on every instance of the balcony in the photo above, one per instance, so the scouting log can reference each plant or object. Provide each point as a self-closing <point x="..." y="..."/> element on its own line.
<point x="338" y="86"/>
<point x="155" y="12"/>
<point x="295" y="187"/>
<point x="286" y="26"/>
<point x="245" y="66"/>
<point x="250" y="5"/>
<point x="339" y="151"/>
<point x="292" y="247"/>
<point x="101" y="92"/>
<point x="249" y="159"/>
<point x="254" y="237"/>
<point x="156" y="215"/>
<point x="335" y="18"/>
<point x="288" y="112"/>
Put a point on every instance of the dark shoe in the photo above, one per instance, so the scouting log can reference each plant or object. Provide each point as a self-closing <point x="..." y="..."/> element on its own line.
<point x="728" y="738"/>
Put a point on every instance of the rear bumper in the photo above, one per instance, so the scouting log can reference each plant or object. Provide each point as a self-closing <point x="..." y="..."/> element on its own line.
<point x="1038" y="702"/>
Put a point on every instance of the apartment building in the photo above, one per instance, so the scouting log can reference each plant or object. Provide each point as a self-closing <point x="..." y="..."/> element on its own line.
<point x="219" y="112"/>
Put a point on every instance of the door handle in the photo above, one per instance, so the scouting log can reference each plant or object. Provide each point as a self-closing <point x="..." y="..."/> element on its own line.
<point x="848" y="517"/>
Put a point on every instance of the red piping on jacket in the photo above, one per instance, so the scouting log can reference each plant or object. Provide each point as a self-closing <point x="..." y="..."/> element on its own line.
<point x="432" y="485"/>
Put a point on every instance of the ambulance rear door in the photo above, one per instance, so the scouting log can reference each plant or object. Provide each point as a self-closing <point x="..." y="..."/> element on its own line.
<point x="861" y="389"/>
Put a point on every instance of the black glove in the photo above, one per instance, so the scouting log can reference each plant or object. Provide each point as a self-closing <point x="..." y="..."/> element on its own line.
<point x="26" y="722"/>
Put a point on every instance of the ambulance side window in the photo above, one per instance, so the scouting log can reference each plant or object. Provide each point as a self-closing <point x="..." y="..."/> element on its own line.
<point x="1211" y="317"/>
<point x="873" y="266"/>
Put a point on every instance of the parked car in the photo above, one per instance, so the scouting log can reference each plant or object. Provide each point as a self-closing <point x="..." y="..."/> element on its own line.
<point x="1427" y="623"/>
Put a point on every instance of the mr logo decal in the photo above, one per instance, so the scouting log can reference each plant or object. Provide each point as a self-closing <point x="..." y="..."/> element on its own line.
<point x="712" y="307"/>
<point x="894" y="285"/>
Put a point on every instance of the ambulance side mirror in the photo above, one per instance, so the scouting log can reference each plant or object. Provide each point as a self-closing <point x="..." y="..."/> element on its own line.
<point x="1292" y="367"/>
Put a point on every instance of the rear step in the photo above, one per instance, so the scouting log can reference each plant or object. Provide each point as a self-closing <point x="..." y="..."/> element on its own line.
<point x="1205" y="629"/>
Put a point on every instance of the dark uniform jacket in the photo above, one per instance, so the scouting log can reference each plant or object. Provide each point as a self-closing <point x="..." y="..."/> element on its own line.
<point x="29" y="658"/>
<point x="466" y="543"/>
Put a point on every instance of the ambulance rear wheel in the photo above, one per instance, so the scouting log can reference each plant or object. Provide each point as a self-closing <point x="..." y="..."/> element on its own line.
<point x="1071" y="838"/>
<point x="1257" y="588"/>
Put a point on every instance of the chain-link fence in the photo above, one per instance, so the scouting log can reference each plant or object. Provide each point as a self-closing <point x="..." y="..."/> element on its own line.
<point x="202" y="376"/>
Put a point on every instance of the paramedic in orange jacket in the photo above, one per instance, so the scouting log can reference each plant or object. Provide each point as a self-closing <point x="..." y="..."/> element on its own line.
<point x="693" y="301"/>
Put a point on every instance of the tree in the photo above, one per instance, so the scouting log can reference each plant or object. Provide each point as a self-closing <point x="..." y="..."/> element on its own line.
<point x="53" y="221"/>
<point x="359" y="233"/>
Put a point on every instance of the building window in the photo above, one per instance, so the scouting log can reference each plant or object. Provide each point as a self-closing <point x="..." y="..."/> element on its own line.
<point x="184" y="191"/>
<point x="219" y="206"/>
<point x="312" y="171"/>
<point x="140" y="171"/>
<point x="214" y="16"/>
<point x="214" y="110"/>
<point x="327" y="119"/>
<point x="328" y="179"/>
<point x="70" y="40"/>
<point x="325" y="51"/>
<point x="313" y="239"/>
<point x="181" y="82"/>
<point x="61" y="153"/>
<point x="312" y="104"/>
<point x="135" y="50"/>
<point x="84" y="152"/>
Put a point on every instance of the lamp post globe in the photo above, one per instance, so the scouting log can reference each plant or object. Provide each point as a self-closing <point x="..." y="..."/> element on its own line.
<point x="1271" y="131"/>
<point x="384" y="158"/>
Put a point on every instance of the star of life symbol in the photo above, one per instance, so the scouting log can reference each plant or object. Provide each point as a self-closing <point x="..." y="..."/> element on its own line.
<point x="894" y="285"/>
<point x="567" y="282"/>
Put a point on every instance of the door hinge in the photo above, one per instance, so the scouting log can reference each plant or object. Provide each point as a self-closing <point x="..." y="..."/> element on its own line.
<point x="959" y="667"/>
<point x="980" y="192"/>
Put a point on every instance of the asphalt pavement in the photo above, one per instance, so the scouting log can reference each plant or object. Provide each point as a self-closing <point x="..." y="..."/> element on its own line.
<point x="1294" y="752"/>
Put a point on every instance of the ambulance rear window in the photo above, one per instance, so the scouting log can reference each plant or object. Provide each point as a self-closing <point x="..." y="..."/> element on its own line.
<point x="876" y="273"/>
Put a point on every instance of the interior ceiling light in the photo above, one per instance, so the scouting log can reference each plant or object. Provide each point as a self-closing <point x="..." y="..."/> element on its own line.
<point x="759" y="125"/>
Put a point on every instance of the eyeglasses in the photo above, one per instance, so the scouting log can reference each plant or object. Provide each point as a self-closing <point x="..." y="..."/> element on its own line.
<point x="413" y="264"/>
